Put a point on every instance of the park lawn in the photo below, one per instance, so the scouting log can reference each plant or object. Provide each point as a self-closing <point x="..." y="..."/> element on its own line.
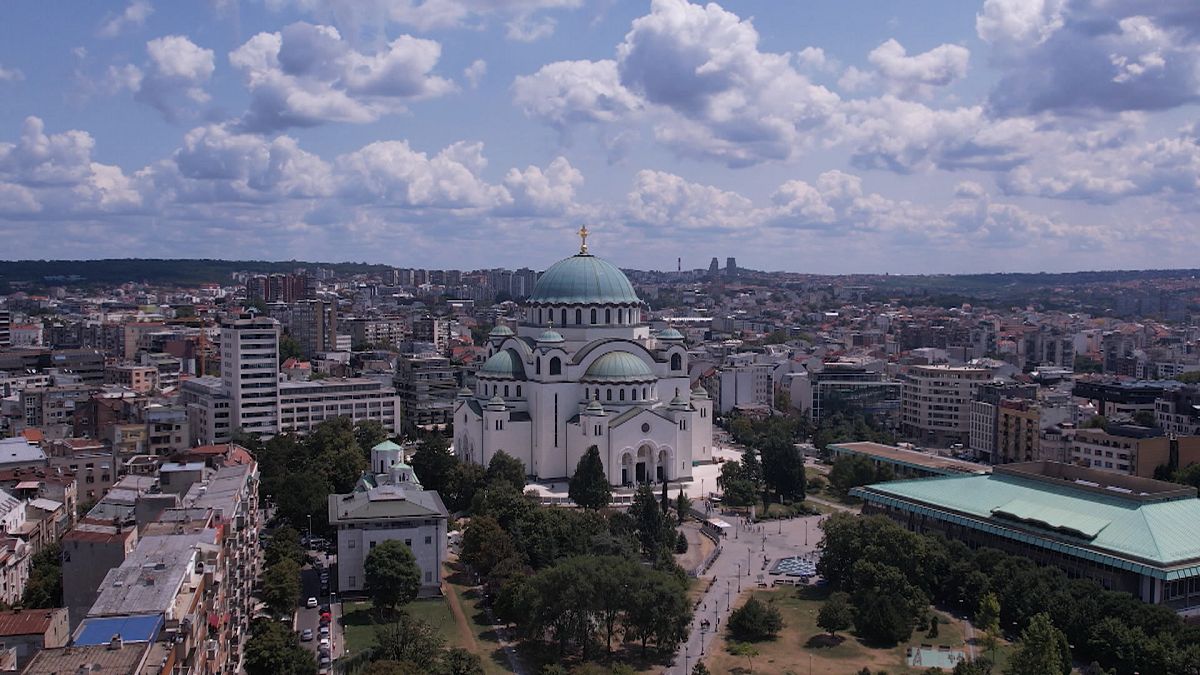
<point x="358" y="622"/>
<point x="534" y="656"/>
<point x="802" y="646"/>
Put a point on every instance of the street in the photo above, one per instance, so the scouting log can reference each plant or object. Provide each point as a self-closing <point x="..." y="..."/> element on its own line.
<point x="737" y="569"/>
<point x="310" y="618"/>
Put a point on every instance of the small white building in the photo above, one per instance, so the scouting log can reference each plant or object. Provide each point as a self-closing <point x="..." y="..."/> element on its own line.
<point x="382" y="510"/>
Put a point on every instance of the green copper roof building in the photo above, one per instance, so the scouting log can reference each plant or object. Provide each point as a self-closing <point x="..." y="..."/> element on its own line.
<point x="1129" y="533"/>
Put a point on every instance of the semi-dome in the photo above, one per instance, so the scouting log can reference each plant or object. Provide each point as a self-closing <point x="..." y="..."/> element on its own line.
<point x="669" y="334"/>
<point x="619" y="367"/>
<point x="500" y="331"/>
<point x="550" y="337"/>
<point x="506" y="364"/>
<point x="583" y="279"/>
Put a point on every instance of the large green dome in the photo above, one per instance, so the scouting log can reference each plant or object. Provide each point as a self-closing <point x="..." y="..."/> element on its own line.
<point x="583" y="280"/>
<point x="619" y="367"/>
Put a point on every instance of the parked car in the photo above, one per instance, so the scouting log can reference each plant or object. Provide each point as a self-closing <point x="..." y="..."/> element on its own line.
<point x="306" y="635"/>
<point x="312" y="603"/>
<point x="325" y="630"/>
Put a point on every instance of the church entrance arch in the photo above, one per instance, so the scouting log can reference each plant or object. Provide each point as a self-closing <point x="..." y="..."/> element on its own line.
<point x="662" y="466"/>
<point x="642" y="468"/>
<point x="627" y="469"/>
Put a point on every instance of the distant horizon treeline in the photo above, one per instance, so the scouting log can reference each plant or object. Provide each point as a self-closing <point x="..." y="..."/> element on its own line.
<point x="174" y="271"/>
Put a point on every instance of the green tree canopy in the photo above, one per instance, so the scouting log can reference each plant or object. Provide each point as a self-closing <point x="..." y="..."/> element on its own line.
<point x="1043" y="650"/>
<point x="281" y="587"/>
<point x="391" y="574"/>
<point x="285" y="545"/>
<point x="505" y="468"/>
<point x="273" y="649"/>
<point x="485" y="544"/>
<point x="837" y="614"/>
<point x="44" y="589"/>
<point x="755" y="621"/>
<point x="589" y="486"/>
<point x="409" y="639"/>
<point x="369" y="433"/>
<point x="433" y="463"/>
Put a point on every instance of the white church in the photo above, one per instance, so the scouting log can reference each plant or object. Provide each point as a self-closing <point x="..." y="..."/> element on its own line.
<point x="582" y="370"/>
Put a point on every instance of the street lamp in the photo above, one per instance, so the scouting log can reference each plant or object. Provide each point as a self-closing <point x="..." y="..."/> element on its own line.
<point x="728" y="585"/>
<point x="310" y="529"/>
<point x="747" y="562"/>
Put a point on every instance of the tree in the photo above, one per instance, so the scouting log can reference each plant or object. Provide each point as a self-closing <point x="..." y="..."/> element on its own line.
<point x="1043" y="650"/>
<point x="44" y="587"/>
<point x="507" y="469"/>
<point x="1145" y="418"/>
<point x="700" y="669"/>
<point x="836" y="614"/>
<point x="681" y="544"/>
<point x="369" y="433"/>
<point x="652" y="526"/>
<point x="408" y="639"/>
<point x="987" y="616"/>
<point x="281" y="587"/>
<point x="589" y="486"/>
<point x="683" y="506"/>
<point x="285" y="545"/>
<point x="274" y="650"/>
<point x="485" y="544"/>
<point x="736" y="488"/>
<point x="1189" y="475"/>
<point x="851" y="471"/>
<point x="658" y="609"/>
<point x="433" y="463"/>
<point x="744" y="649"/>
<point x="464" y="481"/>
<point x="886" y="603"/>
<point x="391" y="574"/>
<point x="458" y="661"/>
<point x="979" y="666"/>
<point x="755" y="621"/>
<point x="934" y="621"/>
<point x="783" y="467"/>
<point x="289" y="348"/>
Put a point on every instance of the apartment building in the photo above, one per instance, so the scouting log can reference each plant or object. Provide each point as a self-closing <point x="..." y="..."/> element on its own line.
<point x="209" y="410"/>
<point x="1131" y="449"/>
<point x="250" y="374"/>
<point x="427" y="390"/>
<point x="141" y="379"/>
<point x="744" y="383"/>
<point x="935" y="402"/>
<point x="304" y="405"/>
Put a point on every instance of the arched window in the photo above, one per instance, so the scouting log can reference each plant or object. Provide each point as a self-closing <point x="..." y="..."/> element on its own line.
<point x="608" y="394"/>
<point x="555" y="366"/>
<point x="518" y="391"/>
<point x="620" y="316"/>
<point x="593" y="316"/>
<point x="564" y="316"/>
<point x="579" y="317"/>
<point x="622" y="393"/>
<point x="537" y="366"/>
<point x="506" y="391"/>
<point x="676" y="362"/>
<point x="539" y="316"/>
<point x="645" y="393"/>
<point x="608" y="316"/>
<point x="634" y="393"/>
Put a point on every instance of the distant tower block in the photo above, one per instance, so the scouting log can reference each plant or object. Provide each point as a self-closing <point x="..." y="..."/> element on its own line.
<point x="679" y="264"/>
<point x="713" y="268"/>
<point x="731" y="268"/>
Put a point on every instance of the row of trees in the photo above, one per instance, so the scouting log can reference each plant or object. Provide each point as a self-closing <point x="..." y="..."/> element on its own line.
<point x="891" y="572"/>
<point x="851" y="471"/>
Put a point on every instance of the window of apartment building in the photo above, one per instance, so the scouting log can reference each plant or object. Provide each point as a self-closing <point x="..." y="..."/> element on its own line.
<point x="353" y="581"/>
<point x="408" y="543"/>
<point x="372" y="544"/>
<point x="428" y="539"/>
<point x="428" y="577"/>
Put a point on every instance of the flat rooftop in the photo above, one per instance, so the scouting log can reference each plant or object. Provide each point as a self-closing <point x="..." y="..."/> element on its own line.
<point x="1076" y="511"/>
<point x="94" y="659"/>
<point x="913" y="458"/>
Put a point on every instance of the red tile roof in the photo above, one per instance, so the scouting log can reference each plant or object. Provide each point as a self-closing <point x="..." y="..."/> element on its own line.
<point x="27" y="621"/>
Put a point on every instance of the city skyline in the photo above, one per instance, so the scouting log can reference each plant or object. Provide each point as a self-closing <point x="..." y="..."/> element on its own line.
<point x="955" y="137"/>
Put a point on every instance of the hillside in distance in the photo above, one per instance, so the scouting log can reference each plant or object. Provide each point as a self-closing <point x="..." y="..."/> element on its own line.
<point x="177" y="272"/>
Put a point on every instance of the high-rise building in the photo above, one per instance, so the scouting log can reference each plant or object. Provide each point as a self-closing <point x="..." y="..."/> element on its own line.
<point x="5" y="328"/>
<point x="731" y="268"/>
<point x="434" y="331"/>
<point x="312" y="324"/>
<point x="250" y="373"/>
<point x="714" y="268"/>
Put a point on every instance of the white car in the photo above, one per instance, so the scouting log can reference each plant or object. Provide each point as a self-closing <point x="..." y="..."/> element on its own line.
<point x="312" y="603"/>
<point x="324" y="643"/>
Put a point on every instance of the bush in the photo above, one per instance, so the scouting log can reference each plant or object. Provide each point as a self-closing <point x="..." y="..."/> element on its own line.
<point x="681" y="544"/>
<point x="755" y="621"/>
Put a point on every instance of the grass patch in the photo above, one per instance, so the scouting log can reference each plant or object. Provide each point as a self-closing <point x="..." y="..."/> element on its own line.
<point x="802" y="645"/>
<point x="359" y="620"/>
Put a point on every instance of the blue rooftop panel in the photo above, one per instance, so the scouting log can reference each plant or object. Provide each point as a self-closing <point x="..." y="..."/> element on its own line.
<point x="100" y="630"/>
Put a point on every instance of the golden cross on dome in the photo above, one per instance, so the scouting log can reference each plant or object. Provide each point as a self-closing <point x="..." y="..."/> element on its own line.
<point x="583" y="235"/>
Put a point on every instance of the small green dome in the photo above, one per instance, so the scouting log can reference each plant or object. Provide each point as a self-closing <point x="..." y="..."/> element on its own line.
<point x="501" y="331"/>
<point x="386" y="445"/>
<point x="699" y="393"/>
<point x="506" y="363"/>
<point x="594" y="408"/>
<point x="583" y="280"/>
<point x="550" y="336"/>
<point x="619" y="367"/>
<point x="669" y="334"/>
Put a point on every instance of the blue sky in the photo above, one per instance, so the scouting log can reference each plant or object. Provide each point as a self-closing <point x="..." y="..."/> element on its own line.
<point x="830" y="137"/>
